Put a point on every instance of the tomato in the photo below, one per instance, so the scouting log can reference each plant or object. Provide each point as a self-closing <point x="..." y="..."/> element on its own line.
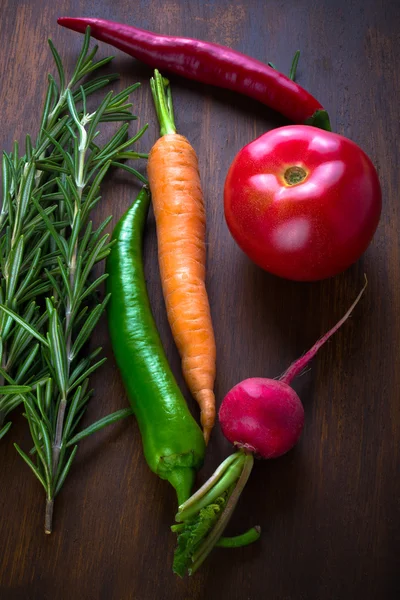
<point x="302" y="203"/>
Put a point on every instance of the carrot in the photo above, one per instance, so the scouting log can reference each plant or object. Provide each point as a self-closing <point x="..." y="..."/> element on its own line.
<point x="179" y="212"/>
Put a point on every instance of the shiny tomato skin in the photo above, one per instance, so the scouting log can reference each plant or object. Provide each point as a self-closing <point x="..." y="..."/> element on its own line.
<point x="312" y="229"/>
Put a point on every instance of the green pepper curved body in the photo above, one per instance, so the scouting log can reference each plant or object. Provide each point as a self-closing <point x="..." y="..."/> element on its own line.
<point x="173" y="443"/>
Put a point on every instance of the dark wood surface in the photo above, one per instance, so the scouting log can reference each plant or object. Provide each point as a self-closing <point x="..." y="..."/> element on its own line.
<point x="329" y="510"/>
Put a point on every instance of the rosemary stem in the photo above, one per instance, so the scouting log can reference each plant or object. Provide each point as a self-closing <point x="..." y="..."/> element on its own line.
<point x="56" y="108"/>
<point x="72" y="272"/>
<point x="80" y="183"/>
<point x="68" y="330"/>
<point x="48" y="518"/>
<point x="72" y="265"/>
<point x="51" y="119"/>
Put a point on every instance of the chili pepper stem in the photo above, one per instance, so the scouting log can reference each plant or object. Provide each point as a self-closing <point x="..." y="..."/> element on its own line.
<point x="320" y="119"/>
<point x="182" y="479"/>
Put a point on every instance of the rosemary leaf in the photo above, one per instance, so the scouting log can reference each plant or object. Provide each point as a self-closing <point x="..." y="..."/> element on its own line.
<point x="71" y="413"/>
<point x="31" y="465"/>
<point x="104" y="422"/>
<point x="25" y="365"/>
<point x="94" y="85"/>
<point x="6" y="377"/>
<point x="130" y="170"/>
<point x="13" y="268"/>
<point x="23" y="324"/>
<point x="65" y="471"/>
<point x="98" y="65"/>
<point x="46" y="443"/>
<point x="4" y="430"/>
<point x="57" y="349"/>
<point x="61" y="243"/>
<point x="88" y="327"/>
<point x="86" y="374"/>
<point x="14" y="389"/>
<point x="93" y="286"/>
<point x="59" y="65"/>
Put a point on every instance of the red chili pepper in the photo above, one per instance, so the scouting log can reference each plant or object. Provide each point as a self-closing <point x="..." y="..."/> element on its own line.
<point x="211" y="64"/>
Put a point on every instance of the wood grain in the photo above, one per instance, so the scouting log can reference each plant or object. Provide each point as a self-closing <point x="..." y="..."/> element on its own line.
<point x="329" y="509"/>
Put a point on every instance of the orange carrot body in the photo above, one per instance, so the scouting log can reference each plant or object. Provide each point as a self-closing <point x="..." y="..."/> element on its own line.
<point x="180" y="220"/>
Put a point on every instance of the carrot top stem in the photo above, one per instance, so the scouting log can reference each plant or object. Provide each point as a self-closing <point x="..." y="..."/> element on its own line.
<point x="162" y="97"/>
<point x="170" y="104"/>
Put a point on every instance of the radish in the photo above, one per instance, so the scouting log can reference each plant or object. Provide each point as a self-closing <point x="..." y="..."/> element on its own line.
<point x="266" y="416"/>
<point x="263" y="418"/>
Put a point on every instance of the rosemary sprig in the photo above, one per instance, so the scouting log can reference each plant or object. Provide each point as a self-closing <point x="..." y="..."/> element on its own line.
<point x="70" y="168"/>
<point x="25" y="241"/>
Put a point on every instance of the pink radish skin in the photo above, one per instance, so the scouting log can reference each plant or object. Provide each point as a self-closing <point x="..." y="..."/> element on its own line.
<point x="266" y="416"/>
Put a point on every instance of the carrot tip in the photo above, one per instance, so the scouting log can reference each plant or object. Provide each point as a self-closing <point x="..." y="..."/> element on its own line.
<point x="206" y="434"/>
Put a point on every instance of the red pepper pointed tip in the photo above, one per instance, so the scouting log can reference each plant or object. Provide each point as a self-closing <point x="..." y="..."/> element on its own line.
<point x="75" y="23"/>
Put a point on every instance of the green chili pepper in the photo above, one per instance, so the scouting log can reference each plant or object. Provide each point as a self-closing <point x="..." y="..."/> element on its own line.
<point x="172" y="441"/>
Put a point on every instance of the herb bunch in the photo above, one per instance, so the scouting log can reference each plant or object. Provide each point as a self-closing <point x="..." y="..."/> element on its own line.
<point x="25" y="244"/>
<point x="49" y="302"/>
